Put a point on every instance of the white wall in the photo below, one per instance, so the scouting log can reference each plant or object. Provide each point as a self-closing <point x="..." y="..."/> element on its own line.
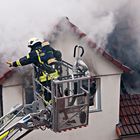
<point x="95" y="61"/>
<point x="12" y="92"/>
<point x="101" y="124"/>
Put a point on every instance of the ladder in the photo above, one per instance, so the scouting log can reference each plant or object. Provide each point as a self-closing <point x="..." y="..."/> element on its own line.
<point x="8" y="118"/>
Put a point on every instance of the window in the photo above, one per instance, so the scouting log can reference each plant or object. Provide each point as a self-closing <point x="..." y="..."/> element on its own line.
<point x="95" y="95"/>
<point x="28" y="88"/>
<point x="29" y="95"/>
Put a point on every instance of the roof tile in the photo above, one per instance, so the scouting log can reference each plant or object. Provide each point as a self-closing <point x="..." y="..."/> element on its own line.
<point x="129" y="116"/>
<point x="138" y="127"/>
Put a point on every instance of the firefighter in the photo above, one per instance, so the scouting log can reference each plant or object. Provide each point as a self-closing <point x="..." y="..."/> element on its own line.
<point x="42" y="55"/>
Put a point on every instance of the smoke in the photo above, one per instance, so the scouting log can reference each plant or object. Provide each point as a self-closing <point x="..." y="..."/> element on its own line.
<point x="100" y="19"/>
<point x="124" y="43"/>
<point x="21" y="20"/>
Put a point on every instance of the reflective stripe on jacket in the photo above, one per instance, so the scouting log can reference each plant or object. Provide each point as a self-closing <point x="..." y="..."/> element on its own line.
<point x="45" y="76"/>
<point x="42" y="55"/>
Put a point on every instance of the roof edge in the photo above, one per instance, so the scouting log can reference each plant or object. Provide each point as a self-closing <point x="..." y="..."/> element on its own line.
<point x="102" y="51"/>
<point x="5" y="76"/>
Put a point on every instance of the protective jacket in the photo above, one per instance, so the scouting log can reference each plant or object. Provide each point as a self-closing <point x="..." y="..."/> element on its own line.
<point x="42" y="57"/>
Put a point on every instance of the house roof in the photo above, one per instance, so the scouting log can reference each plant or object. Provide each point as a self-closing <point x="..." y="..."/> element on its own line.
<point x="129" y="116"/>
<point x="89" y="42"/>
<point x="80" y="35"/>
<point x="5" y="76"/>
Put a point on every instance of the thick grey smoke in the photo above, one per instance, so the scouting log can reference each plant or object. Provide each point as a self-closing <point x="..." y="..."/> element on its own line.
<point x="20" y="20"/>
<point x="124" y="43"/>
<point x="25" y="18"/>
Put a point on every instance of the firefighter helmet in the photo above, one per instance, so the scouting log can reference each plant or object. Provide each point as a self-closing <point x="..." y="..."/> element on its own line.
<point x="33" y="41"/>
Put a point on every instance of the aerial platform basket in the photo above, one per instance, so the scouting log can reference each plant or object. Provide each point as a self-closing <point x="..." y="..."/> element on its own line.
<point x="70" y="102"/>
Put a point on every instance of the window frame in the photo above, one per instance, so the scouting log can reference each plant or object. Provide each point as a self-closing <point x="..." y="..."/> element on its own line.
<point x="97" y="106"/>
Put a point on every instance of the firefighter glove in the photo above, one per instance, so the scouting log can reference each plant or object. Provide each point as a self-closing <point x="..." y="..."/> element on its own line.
<point x="10" y="63"/>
